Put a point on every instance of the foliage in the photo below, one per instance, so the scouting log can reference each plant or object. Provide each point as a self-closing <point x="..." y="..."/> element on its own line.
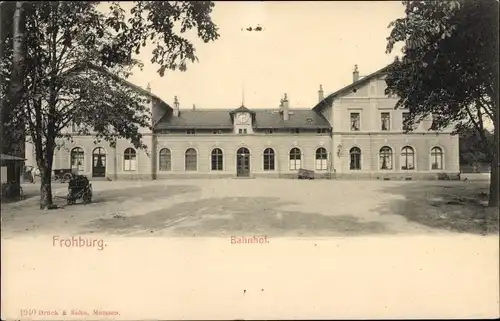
<point x="471" y="152"/>
<point x="76" y="58"/>
<point x="449" y="67"/>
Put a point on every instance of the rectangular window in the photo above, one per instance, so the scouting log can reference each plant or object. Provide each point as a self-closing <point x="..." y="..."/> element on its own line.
<point x="165" y="164"/>
<point x="386" y="161"/>
<point x="217" y="162"/>
<point x="406" y="117"/>
<point x="355" y="163"/>
<point x="130" y="163"/>
<point x="321" y="164"/>
<point x="242" y="131"/>
<point x="165" y="160"/>
<point x="78" y="161"/>
<point x="434" y="122"/>
<point x="191" y="162"/>
<point x="269" y="162"/>
<point x="355" y="121"/>
<point x="385" y="119"/>
<point x="294" y="164"/>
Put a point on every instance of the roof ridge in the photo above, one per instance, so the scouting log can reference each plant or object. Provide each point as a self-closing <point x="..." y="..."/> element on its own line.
<point x="254" y="109"/>
<point x="354" y="84"/>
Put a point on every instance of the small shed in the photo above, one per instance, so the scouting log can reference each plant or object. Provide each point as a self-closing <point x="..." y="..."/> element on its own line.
<point x="12" y="168"/>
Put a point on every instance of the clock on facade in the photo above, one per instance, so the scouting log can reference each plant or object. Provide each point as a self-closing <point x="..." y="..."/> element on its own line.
<point x="243" y="118"/>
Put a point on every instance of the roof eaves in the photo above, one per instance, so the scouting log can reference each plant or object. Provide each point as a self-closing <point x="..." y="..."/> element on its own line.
<point x="354" y="84"/>
<point x="126" y="82"/>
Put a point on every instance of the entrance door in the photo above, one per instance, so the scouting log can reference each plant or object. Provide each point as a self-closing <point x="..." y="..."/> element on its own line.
<point x="242" y="162"/>
<point x="99" y="162"/>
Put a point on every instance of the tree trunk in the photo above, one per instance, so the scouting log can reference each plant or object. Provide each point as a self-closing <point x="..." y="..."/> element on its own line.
<point x="18" y="53"/>
<point x="46" y="188"/>
<point x="2" y="36"/>
<point x="495" y="162"/>
<point x="11" y="134"/>
<point x="45" y="166"/>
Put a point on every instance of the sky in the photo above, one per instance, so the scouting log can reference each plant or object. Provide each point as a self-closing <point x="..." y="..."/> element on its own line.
<point x="302" y="45"/>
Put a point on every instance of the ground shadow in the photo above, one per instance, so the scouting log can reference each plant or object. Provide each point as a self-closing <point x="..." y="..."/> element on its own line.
<point x="19" y="217"/>
<point x="29" y="191"/>
<point x="144" y="193"/>
<point x="222" y="217"/>
<point x="448" y="205"/>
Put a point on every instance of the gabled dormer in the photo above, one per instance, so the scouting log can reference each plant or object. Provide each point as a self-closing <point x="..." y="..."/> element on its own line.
<point x="243" y="119"/>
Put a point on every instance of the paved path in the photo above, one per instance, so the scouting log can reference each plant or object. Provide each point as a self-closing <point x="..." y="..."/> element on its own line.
<point x="226" y="206"/>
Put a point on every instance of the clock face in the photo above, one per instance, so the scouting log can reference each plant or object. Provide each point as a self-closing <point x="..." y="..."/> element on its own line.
<point x="243" y="118"/>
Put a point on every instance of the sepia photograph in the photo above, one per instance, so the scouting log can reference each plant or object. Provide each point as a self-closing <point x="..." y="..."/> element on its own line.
<point x="233" y="160"/>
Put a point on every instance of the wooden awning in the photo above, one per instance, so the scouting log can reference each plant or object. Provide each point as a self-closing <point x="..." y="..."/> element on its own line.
<point x="5" y="157"/>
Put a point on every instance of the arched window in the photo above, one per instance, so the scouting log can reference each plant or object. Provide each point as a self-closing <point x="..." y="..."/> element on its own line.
<point x="407" y="158"/>
<point x="321" y="159"/>
<point x="217" y="159"/>
<point x="78" y="159"/>
<point x="191" y="160"/>
<point x="129" y="160"/>
<point x="386" y="158"/>
<point x="436" y="158"/>
<point x="295" y="157"/>
<point x="165" y="160"/>
<point x="269" y="159"/>
<point x="355" y="156"/>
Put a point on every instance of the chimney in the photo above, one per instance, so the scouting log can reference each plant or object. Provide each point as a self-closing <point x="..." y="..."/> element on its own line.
<point x="176" y="107"/>
<point x="355" y="74"/>
<point x="148" y="88"/>
<point x="320" y="93"/>
<point x="194" y="107"/>
<point x="285" y="108"/>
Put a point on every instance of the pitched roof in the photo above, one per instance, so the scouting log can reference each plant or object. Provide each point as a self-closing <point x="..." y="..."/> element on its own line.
<point x="360" y="82"/>
<point x="221" y="119"/>
<point x="298" y="118"/>
<point x="242" y="109"/>
<point x="191" y="119"/>
<point x="113" y="76"/>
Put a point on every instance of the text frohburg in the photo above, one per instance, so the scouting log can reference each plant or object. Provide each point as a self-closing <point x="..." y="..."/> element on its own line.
<point x="78" y="242"/>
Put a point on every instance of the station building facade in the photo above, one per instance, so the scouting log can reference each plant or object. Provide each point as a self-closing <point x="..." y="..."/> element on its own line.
<point x="354" y="132"/>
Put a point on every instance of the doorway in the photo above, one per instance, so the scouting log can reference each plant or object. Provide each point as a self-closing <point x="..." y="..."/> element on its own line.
<point x="99" y="162"/>
<point x="242" y="162"/>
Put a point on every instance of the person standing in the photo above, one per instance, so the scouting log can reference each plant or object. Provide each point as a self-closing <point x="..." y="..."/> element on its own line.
<point x="29" y="176"/>
<point x="36" y="172"/>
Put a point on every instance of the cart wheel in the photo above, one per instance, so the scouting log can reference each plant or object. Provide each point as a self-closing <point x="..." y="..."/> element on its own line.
<point x="67" y="177"/>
